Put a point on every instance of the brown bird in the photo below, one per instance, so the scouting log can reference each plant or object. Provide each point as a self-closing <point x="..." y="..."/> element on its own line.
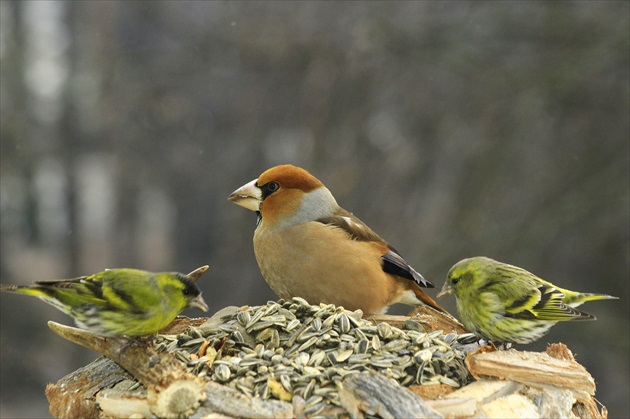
<point x="308" y="246"/>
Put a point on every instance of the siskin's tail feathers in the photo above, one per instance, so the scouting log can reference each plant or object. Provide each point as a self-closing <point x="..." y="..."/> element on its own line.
<point x="574" y="300"/>
<point x="21" y="289"/>
<point x="9" y="288"/>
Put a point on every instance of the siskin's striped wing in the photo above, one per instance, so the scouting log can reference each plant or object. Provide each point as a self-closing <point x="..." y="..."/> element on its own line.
<point x="544" y="303"/>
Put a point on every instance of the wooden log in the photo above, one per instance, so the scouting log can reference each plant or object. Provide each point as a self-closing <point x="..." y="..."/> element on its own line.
<point x="73" y="395"/>
<point x="539" y="385"/>
<point x="126" y="399"/>
<point x="373" y="394"/>
<point x="225" y="400"/>
<point x="467" y="401"/>
<point x="512" y="406"/>
<point x="533" y="369"/>
<point x="171" y="390"/>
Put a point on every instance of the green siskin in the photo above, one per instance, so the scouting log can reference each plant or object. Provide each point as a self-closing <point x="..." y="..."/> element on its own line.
<point x="504" y="303"/>
<point x="120" y="302"/>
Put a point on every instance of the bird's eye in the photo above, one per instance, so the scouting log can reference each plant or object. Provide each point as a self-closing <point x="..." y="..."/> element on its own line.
<point x="454" y="281"/>
<point x="273" y="186"/>
<point x="269" y="188"/>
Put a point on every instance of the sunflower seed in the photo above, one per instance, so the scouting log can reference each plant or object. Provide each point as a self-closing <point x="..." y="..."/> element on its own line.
<point x="274" y="342"/>
<point x="422" y="356"/>
<point x="344" y="323"/>
<point x="237" y="336"/>
<point x="344" y="355"/>
<point x="258" y="350"/>
<point x="222" y="372"/>
<point x="300" y="301"/>
<point x="276" y="318"/>
<point x="243" y="317"/>
<point x="286" y="383"/>
<point x="376" y="343"/>
<point x="395" y="345"/>
<point x="248" y="362"/>
<point x="328" y="322"/>
<point x="316" y="324"/>
<point x="384" y="330"/>
<point x="358" y="358"/>
<point x="316" y="358"/>
<point x="413" y="325"/>
<point x="292" y="325"/>
<point x="308" y="390"/>
<point x="254" y="319"/>
<point x="361" y="346"/>
<point x="193" y="342"/>
<point x="308" y="344"/>
<point x="259" y="326"/>
<point x="302" y="359"/>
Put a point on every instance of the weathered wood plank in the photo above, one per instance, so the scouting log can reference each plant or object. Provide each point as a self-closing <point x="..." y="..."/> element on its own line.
<point x="72" y="396"/>
<point x="534" y="369"/>
<point x="373" y="394"/>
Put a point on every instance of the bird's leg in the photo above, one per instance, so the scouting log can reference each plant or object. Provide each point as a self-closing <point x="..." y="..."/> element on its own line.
<point x="500" y="346"/>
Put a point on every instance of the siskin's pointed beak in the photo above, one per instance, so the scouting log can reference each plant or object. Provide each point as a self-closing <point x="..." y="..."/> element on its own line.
<point x="446" y="290"/>
<point x="198" y="302"/>
<point x="247" y="196"/>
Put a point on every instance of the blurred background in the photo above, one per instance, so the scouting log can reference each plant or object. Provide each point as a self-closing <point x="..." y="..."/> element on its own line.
<point x="453" y="129"/>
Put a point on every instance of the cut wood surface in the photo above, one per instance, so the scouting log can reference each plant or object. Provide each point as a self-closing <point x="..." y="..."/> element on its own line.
<point x="532" y="368"/>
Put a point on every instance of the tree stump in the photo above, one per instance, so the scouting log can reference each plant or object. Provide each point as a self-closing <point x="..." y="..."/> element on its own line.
<point x="139" y="378"/>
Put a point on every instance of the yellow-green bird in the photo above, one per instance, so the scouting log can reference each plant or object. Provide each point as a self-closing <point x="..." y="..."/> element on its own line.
<point x="120" y="302"/>
<point x="504" y="303"/>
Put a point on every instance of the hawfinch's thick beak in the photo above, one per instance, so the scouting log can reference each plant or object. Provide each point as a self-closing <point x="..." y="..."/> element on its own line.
<point x="247" y="196"/>
<point x="446" y="290"/>
<point x="198" y="302"/>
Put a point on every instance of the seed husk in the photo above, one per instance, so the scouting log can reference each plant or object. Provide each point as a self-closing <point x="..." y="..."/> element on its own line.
<point x="384" y="330"/>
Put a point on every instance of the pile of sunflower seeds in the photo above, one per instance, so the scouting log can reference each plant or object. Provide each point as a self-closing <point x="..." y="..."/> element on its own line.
<point x="291" y="348"/>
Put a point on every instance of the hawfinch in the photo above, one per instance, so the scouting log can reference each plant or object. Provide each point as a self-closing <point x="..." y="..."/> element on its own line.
<point x="306" y="245"/>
